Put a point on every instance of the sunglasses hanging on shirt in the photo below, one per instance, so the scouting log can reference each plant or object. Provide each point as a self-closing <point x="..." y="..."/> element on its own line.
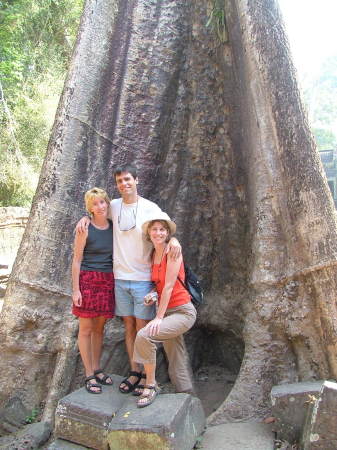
<point x="127" y="217"/>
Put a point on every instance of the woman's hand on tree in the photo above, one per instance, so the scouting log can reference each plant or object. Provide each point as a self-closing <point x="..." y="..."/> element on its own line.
<point x="77" y="298"/>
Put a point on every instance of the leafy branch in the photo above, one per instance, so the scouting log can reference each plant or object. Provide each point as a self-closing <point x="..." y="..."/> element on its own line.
<point x="217" y="21"/>
<point x="33" y="416"/>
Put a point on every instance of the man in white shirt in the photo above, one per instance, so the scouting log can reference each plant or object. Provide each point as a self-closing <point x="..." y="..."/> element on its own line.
<point x="132" y="264"/>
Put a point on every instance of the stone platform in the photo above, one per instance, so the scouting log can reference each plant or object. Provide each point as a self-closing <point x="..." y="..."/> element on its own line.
<point x="228" y="436"/>
<point x="238" y="436"/>
<point x="111" y="420"/>
<point x="320" y="430"/>
<point x="290" y="405"/>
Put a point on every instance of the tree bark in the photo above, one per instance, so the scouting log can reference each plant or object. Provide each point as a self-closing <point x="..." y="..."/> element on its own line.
<point x="219" y="135"/>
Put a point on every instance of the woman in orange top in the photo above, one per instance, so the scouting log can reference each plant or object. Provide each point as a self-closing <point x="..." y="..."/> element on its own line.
<point x="175" y="315"/>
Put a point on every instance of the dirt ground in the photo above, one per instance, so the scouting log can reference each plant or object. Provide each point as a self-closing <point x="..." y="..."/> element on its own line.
<point x="212" y="385"/>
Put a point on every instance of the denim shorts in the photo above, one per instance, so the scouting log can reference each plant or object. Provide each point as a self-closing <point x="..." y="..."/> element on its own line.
<point x="129" y="297"/>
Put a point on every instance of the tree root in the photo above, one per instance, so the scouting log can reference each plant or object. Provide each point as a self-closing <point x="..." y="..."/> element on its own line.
<point x="63" y="374"/>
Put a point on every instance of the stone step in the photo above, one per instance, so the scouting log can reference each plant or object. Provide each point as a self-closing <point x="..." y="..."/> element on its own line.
<point x="83" y="418"/>
<point x="61" y="444"/>
<point x="238" y="436"/>
<point x="320" y="430"/>
<point x="290" y="404"/>
<point x="112" y="420"/>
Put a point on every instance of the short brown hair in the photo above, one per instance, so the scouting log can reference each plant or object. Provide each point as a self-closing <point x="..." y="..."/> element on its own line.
<point x="165" y="225"/>
<point x="126" y="168"/>
<point x="94" y="193"/>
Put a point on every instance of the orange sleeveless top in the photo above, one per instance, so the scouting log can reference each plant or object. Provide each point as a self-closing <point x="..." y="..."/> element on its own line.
<point x="179" y="295"/>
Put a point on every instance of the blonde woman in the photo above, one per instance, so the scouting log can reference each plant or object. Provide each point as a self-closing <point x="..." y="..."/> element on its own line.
<point x="93" y="286"/>
<point x="175" y="314"/>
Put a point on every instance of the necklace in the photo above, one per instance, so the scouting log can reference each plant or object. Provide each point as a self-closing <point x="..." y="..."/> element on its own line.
<point x="162" y="255"/>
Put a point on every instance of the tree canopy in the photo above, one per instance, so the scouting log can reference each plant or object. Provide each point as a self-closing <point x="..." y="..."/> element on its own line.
<point x="320" y="95"/>
<point x="36" y="41"/>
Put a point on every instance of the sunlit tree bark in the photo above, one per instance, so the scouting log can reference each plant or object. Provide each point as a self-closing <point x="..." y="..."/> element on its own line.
<point x="217" y="130"/>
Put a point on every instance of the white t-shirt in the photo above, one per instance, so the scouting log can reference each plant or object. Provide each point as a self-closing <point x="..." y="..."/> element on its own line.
<point x="131" y="251"/>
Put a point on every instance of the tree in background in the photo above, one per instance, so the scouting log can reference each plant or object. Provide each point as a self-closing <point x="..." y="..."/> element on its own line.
<point x="320" y="95"/>
<point x="215" y="124"/>
<point x="36" y="40"/>
<point x="325" y="139"/>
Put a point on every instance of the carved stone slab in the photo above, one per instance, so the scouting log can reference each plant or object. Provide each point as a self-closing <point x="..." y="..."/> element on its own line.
<point x="61" y="444"/>
<point x="172" y="422"/>
<point x="320" y="430"/>
<point x="112" y="420"/>
<point x="83" y="418"/>
<point x="290" y="403"/>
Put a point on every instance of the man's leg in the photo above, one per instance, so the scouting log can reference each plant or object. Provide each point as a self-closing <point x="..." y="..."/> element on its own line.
<point x="143" y="315"/>
<point x="130" y="336"/>
<point x="140" y="323"/>
<point x="125" y="309"/>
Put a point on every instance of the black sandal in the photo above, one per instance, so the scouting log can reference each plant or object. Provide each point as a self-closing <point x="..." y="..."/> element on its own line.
<point x="89" y="385"/>
<point x="103" y="379"/>
<point x="130" y="386"/>
<point x="138" y="390"/>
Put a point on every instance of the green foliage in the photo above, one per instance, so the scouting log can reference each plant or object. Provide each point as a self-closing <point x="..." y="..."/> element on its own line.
<point x="33" y="416"/>
<point x="18" y="182"/>
<point x="325" y="139"/>
<point x="36" y="40"/>
<point x="217" y="20"/>
<point x="35" y="35"/>
<point x="320" y="95"/>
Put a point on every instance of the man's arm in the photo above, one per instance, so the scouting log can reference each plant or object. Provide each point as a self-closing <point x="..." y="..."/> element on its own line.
<point x="82" y="225"/>
<point x="173" y="249"/>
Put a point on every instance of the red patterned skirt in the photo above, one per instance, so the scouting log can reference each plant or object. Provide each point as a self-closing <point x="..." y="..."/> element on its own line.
<point x="98" y="295"/>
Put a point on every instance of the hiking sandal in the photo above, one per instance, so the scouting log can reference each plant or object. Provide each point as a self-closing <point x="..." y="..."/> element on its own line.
<point x="149" y="397"/>
<point x="138" y="390"/>
<point x="89" y="385"/>
<point x="130" y="386"/>
<point x="104" y="379"/>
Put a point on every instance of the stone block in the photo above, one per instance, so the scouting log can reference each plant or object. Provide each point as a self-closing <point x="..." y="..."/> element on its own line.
<point x="290" y="403"/>
<point x="61" y="444"/>
<point x="30" y="437"/>
<point x="111" y="420"/>
<point x="83" y="418"/>
<point x="13" y="416"/>
<point x="172" y="422"/>
<point x="238" y="436"/>
<point x="320" y="430"/>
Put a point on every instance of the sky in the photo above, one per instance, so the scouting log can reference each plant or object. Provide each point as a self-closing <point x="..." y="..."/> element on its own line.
<point x="311" y="28"/>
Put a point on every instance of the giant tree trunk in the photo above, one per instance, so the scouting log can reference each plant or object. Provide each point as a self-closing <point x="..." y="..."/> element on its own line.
<point x="220" y="138"/>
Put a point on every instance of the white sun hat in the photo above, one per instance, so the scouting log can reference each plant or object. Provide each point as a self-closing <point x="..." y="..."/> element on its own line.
<point x="160" y="216"/>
